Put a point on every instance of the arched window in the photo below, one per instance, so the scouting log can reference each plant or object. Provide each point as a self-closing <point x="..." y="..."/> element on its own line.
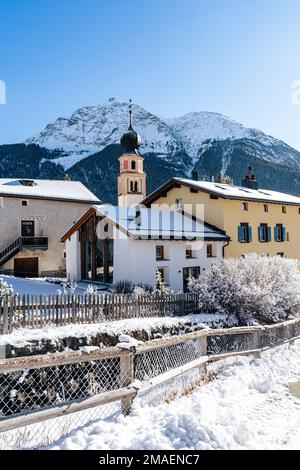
<point x="133" y="165"/>
<point x="134" y="188"/>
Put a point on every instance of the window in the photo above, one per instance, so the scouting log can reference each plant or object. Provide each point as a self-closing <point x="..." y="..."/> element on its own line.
<point x="27" y="182"/>
<point x="279" y="233"/>
<point x="283" y="209"/>
<point x="125" y="165"/>
<point x="24" y="203"/>
<point x="189" y="252"/>
<point x="299" y="210"/>
<point x="179" y="204"/>
<point x="264" y="233"/>
<point x="187" y="274"/>
<point x="159" y="252"/>
<point x="245" y="206"/>
<point x="280" y="254"/>
<point x="266" y="207"/>
<point x="133" y="165"/>
<point x="244" y="233"/>
<point x="209" y="251"/>
<point x="134" y="186"/>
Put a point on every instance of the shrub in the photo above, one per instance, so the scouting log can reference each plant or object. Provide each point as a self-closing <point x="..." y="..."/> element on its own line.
<point x="160" y="285"/>
<point x="5" y="289"/>
<point x="257" y="287"/>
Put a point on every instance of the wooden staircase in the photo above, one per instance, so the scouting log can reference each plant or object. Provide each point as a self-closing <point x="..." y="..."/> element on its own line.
<point x="11" y="250"/>
<point x="21" y="244"/>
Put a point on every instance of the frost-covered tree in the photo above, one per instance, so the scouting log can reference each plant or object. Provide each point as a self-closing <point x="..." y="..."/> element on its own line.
<point x="224" y="179"/>
<point x="5" y="289"/>
<point x="160" y="285"/>
<point x="253" y="287"/>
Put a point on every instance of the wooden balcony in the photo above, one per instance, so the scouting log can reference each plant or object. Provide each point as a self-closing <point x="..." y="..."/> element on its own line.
<point x="34" y="243"/>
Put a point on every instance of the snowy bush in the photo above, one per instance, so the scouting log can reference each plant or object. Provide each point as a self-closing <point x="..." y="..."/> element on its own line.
<point x="160" y="285"/>
<point x="255" y="287"/>
<point x="91" y="290"/>
<point x="5" y="289"/>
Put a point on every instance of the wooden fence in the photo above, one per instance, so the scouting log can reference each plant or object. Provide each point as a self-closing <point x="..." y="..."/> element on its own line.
<point x="28" y="311"/>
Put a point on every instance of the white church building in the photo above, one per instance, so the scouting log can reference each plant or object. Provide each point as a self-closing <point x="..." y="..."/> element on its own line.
<point x="130" y="243"/>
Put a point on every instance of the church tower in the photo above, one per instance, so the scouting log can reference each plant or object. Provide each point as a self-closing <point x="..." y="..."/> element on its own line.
<point x="132" y="179"/>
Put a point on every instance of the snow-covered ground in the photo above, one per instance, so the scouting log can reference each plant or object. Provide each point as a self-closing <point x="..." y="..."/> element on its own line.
<point x="248" y="406"/>
<point x="38" y="286"/>
<point x="20" y="337"/>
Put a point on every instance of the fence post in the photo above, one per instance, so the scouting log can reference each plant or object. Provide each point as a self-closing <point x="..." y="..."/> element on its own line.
<point x="127" y="377"/>
<point x="183" y="304"/>
<point x="256" y="342"/>
<point x="5" y="315"/>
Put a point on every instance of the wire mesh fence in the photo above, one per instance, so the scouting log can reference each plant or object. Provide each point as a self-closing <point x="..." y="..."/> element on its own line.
<point x="161" y="369"/>
<point x="152" y="363"/>
<point x="34" y="389"/>
<point x="220" y="344"/>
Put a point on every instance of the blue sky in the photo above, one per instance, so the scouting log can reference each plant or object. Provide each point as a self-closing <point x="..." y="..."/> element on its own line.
<point x="235" y="57"/>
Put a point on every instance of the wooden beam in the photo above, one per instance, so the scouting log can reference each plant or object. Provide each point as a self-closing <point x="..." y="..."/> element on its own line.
<point x="43" y="360"/>
<point x="64" y="409"/>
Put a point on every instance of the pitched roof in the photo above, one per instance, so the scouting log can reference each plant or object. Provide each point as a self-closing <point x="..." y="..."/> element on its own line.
<point x="151" y="224"/>
<point x="225" y="191"/>
<point x="58" y="190"/>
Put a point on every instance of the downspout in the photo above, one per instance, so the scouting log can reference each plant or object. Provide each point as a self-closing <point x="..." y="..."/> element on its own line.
<point x="223" y="248"/>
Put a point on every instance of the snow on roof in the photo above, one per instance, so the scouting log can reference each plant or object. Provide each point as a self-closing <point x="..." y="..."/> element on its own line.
<point x="47" y="189"/>
<point x="145" y="222"/>
<point x="239" y="192"/>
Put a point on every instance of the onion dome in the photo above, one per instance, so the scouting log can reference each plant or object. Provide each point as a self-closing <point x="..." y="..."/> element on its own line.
<point x="131" y="141"/>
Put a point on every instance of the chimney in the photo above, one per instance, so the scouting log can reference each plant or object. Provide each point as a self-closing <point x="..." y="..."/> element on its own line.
<point x="195" y="175"/>
<point x="67" y="177"/>
<point x="249" y="181"/>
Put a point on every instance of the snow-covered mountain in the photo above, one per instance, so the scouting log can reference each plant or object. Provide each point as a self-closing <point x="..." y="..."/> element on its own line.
<point x="197" y="131"/>
<point x="91" y="129"/>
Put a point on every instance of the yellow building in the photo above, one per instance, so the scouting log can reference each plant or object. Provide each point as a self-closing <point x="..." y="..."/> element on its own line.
<point x="256" y="220"/>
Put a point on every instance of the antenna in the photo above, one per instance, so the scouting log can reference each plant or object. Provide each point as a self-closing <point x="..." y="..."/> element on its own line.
<point x="130" y="114"/>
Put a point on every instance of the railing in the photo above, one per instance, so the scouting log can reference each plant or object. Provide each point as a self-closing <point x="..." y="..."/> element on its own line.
<point x="37" y="243"/>
<point x="36" y="311"/>
<point x="27" y="243"/>
<point x="44" y="397"/>
<point x="10" y="250"/>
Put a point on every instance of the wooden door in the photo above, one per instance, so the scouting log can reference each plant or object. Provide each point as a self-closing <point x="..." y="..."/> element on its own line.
<point x="27" y="228"/>
<point x="26" y="267"/>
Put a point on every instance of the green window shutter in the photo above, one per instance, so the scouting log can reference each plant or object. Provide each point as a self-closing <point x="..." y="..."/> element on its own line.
<point x="241" y="234"/>
<point x="276" y="234"/>
<point x="269" y="234"/>
<point x="250" y="234"/>
<point x="260" y="234"/>
<point x="283" y="234"/>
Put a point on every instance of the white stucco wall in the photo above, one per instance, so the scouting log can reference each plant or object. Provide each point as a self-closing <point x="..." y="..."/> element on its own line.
<point x="73" y="261"/>
<point x="52" y="220"/>
<point x="135" y="260"/>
